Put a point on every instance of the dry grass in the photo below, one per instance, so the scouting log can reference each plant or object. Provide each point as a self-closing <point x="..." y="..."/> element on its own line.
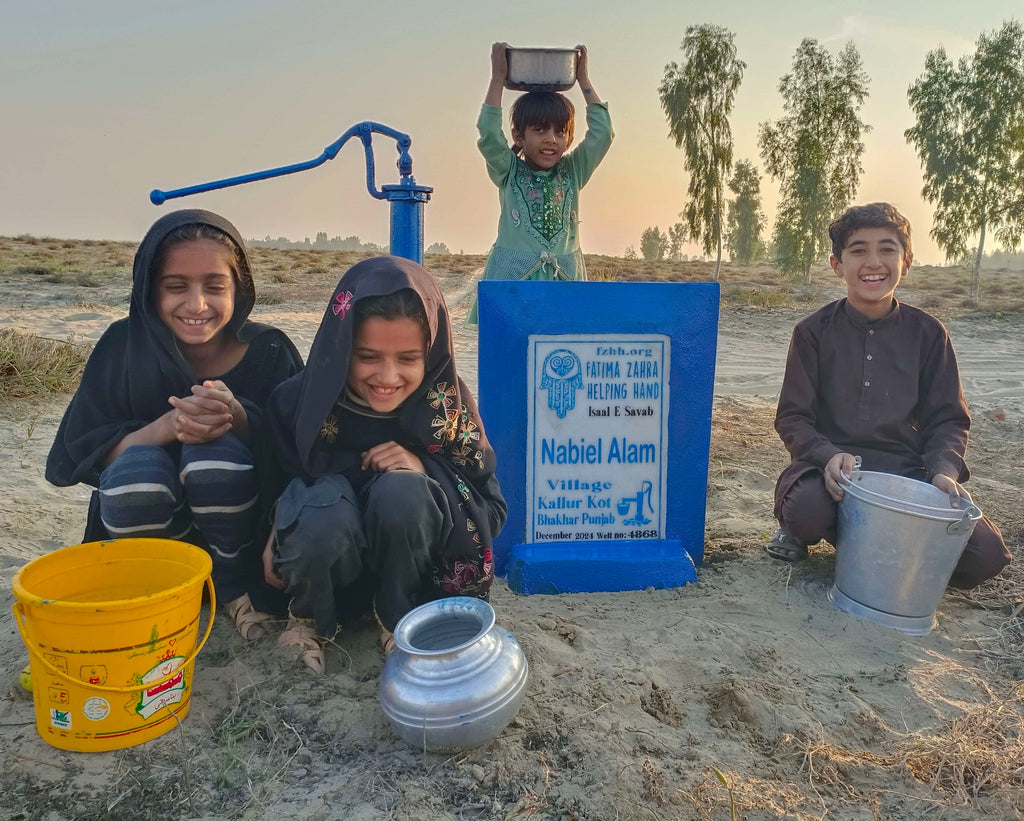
<point x="980" y="751"/>
<point x="995" y="456"/>
<point x="79" y="278"/>
<point x="32" y="271"/>
<point x="1003" y="649"/>
<point x="729" y="796"/>
<point x="763" y="296"/>
<point x="54" y="255"/>
<point x="307" y="274"/>
<point x="742" y="433"/>
<point x="1005" y="592"/>
<point x="32" y="367"/>
<point x="268" y="296"/>
<point x="832" y="771"/>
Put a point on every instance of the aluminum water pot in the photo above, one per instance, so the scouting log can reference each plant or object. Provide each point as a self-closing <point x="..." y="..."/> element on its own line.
<point x="455" y="679"/>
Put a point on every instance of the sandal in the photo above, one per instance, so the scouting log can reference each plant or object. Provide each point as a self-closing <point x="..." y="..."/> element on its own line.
<point x="301" y="633"/>
<point x="387" y="638"/>
<point x="784" y="547"/>
<point x="387" y="641"/>
<point x="251" y="623"/>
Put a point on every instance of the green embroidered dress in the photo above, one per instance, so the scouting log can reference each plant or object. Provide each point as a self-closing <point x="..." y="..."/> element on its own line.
<point x="538" y="230"/>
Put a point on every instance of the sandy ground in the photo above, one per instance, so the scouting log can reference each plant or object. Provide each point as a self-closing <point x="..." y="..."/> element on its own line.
<point x="745" y="695"/>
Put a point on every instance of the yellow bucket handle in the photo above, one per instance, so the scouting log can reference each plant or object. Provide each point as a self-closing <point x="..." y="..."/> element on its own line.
<point x="16" y="610"/>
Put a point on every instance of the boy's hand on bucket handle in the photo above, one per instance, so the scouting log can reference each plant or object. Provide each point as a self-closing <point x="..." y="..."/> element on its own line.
<point x="838" y="472"/>
<point x="955" y="490"/>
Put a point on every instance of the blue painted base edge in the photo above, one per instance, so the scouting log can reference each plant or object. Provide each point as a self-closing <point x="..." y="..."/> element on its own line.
<point x="602" y="567"/>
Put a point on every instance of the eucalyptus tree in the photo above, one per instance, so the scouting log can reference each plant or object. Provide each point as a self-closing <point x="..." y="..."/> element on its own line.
<point x="697" y="96"/>
<point x="676" y="239"/>
<point x="745" y="220"/>
<point x="653" y="243"/>
<point x="814" y="151"/>
<point x="970" y="139"/>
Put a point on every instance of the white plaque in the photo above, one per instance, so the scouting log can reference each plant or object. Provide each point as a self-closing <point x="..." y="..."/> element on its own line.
<point x="596" y="437"/>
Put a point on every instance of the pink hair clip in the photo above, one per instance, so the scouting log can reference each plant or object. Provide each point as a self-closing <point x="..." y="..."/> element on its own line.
<point x="344" y="302"/>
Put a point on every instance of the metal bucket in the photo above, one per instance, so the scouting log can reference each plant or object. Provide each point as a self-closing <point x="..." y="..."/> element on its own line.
<point x="899" y="542"/>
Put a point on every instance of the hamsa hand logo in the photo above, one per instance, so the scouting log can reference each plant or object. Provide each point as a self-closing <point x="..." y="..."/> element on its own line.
<point x="561" y="376"/>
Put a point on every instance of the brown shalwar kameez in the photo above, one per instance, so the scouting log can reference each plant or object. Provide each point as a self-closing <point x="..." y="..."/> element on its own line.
<point x="887" y="390"/>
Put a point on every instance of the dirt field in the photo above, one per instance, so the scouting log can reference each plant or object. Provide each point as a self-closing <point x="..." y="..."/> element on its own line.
<point x="745" y="695"/>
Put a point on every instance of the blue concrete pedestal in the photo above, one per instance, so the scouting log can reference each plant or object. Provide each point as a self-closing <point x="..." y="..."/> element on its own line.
<point x="575" y="567"/>
<point x="598" y="499"/>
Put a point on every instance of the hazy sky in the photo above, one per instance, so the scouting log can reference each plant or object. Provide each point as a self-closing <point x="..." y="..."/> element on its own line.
<point x="101" y="102"/>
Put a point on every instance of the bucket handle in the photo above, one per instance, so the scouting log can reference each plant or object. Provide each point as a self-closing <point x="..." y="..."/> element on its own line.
<point x="966" y="522"/>
<point x="971" y="512"/>
<point x="17" y="611"/>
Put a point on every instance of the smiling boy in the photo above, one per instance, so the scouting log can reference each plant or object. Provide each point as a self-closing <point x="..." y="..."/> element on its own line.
<point x="869" y="376"/>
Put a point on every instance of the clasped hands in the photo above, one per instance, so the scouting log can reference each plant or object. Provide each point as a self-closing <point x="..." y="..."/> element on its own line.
<point x="207" y="414"/>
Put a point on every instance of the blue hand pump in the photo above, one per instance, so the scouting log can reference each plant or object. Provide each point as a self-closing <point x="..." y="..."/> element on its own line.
<point x="407" y="198"/>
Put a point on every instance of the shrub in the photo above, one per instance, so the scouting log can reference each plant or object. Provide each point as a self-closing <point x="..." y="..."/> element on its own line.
<point x="31" y="366"/>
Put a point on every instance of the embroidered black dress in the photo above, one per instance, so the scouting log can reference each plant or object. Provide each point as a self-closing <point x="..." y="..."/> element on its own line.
<point x="321" y="433"/>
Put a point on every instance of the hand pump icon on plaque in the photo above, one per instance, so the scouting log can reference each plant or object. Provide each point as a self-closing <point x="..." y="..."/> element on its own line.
<point x="624" y="504"/>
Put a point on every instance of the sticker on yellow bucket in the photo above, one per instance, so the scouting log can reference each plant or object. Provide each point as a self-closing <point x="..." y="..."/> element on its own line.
<point x="96" y="708"/>
<point x="94" y="674"/>
<point x="170" y="691"/>
<point x="61" y="719"/>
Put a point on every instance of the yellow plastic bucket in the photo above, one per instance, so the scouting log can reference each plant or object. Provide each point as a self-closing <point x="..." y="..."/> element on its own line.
<point x="111" y="631"/>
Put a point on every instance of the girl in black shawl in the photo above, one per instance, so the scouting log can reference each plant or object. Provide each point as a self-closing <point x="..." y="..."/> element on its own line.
<point x="395" y="501"/>
<point x="167" y="422"/>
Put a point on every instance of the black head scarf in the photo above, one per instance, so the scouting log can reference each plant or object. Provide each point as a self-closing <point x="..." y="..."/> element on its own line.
<point x="147" y="333"/>
<point x="137" y="365"/>
<point x="439" y="421"/>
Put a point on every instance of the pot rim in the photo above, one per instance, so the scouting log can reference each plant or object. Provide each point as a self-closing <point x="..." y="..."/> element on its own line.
<point x="419" y="617"/>
<point x="539" y="50"/>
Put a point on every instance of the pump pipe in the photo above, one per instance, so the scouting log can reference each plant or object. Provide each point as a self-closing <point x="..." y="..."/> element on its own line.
<point x="407" y="198"/>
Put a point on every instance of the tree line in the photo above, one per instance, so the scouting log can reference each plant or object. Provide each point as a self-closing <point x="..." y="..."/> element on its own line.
<point x="322" y="243"/>
<point x="968" y="136"/>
